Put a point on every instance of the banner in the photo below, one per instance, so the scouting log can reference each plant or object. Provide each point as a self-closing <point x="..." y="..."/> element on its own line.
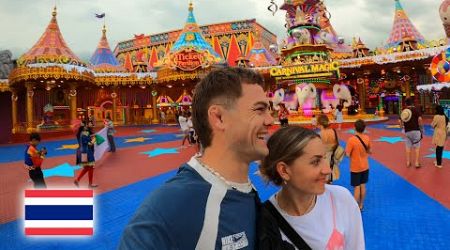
<point x="102" y="144"/>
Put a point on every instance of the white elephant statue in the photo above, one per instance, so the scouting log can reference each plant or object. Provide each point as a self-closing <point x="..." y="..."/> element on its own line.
<point x="278" y="97"/>
<point x="304" y="92"/>
<point x="324" y="37"/>
<point x="302" y="36"/>
<point x="444" y="12"/>
<point x="329" y="101"/>
<point x="342" y="93"/>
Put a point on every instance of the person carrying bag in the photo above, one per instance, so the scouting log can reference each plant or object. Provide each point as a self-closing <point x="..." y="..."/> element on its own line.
<point x="336" y="158"/>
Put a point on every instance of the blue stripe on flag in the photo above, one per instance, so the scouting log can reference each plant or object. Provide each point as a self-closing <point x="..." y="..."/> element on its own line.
<point x="73" y="212"/>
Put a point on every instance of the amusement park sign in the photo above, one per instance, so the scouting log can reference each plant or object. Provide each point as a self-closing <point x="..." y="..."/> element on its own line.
<point x="189" y="60"/>
<point x="306" y="71"/>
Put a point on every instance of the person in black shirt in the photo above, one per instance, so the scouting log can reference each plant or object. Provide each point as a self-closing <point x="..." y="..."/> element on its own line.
<point x="411" y="123"/>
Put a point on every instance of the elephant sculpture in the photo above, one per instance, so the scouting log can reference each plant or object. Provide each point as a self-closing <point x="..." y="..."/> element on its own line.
<point x="324" y="37"/>
<point x="343" y="94"/>
<point x="6" y="63"/>
<point x="304" y="92"/>
<point x="278" y="97"/>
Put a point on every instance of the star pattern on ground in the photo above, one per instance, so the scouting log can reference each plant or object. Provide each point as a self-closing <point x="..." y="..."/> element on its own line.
<point x="68" y="146"/>
<point x="148" y="131"/>
<point x="137" y="139"/>
<point x="352" y="131"/>
<point x="391" y="140"/>
<point x="63" y="170"/>
<point x="161" y="151"/>
<point x="445" y="155"/>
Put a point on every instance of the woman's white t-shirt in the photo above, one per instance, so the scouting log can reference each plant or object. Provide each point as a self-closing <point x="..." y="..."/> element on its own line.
<point x="317" y="226"/>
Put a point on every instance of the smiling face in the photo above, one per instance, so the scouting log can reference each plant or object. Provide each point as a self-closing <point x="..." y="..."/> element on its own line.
<point x="246" y="124"/>
<point x="308" y="173"/>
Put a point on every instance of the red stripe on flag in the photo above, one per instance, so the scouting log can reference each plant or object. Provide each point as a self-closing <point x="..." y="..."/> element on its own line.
<point x="59" y="231"/>
<point x="59" y="193"/>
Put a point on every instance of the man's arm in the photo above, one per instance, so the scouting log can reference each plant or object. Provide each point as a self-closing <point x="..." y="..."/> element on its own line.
<point x="147" y="230"/>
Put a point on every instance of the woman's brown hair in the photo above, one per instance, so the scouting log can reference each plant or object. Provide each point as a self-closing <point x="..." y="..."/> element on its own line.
<point x="285" y="145"/>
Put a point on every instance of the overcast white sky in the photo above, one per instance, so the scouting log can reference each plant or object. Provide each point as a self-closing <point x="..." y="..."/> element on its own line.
<point x="23" y="21"/>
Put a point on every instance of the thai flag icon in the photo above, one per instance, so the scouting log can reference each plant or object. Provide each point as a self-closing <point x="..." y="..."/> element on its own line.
<point x="59" y="212"/>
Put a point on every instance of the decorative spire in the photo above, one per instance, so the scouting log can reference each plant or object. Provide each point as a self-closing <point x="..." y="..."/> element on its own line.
<point x="259" y="56"/>
<point x="54" y="12"/>
<point x="191" y="6"/>
<point x="103" y="60"/>
<point x="50" y="48"/>
<point x="191" y="39"/>
<point x="403" y="29"/>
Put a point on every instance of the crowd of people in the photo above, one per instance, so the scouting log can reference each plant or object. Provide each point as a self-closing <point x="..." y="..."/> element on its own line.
<point x="220" y="207"/>
<point x="223" y="208"/>
<point x="84" y="157"/>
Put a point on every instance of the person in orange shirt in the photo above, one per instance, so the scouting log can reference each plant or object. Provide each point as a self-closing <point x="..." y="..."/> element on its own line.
<point x="358" y="149"/>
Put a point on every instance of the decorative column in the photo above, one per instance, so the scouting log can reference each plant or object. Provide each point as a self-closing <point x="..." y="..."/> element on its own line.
<point x="381" y="106"/>
<point x="408" y="88"/>
<point x="114" y="104"/>
<point x="361" y="85"/>
<point x="14" y="98"/>
<point x="73" y="101"/>
<point x="319" y="101"/>
<point x="30" y="94"/>
<point x="154" y="105"/>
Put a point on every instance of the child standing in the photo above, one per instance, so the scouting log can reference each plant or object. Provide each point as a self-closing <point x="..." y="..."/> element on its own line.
<point x="33" y="161"/>
<point x="339" y="116"/>
<point x="358" y="149"/>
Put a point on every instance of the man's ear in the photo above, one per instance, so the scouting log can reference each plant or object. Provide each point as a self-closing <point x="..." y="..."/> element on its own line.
<point x="215" y="117"/>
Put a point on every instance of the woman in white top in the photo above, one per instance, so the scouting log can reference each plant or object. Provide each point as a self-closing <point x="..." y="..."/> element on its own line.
<point x="324" y="216"/>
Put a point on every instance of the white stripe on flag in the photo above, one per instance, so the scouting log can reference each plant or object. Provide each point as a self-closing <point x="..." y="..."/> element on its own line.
<point x="59" y="201"/>
<point x="99" y="150"/>
<point x="59" y="224"/>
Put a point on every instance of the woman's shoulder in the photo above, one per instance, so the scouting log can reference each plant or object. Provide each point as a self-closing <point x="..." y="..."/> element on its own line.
<point x="338" y="192"/>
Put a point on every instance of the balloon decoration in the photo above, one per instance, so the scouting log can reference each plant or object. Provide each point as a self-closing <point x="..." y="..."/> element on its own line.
<point x="440" y="67"/>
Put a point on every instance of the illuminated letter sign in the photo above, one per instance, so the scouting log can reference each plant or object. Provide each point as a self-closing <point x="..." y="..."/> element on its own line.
<point x="306" y="71"/>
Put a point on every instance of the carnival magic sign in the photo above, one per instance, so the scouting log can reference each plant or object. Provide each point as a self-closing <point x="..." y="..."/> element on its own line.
<point x="306" y="71"/>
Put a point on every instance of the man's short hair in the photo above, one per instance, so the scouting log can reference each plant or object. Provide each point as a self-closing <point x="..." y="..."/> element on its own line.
<point x="222" y="86"/>
<point x="35" y="136"/>
<point x="360" y="126"/>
